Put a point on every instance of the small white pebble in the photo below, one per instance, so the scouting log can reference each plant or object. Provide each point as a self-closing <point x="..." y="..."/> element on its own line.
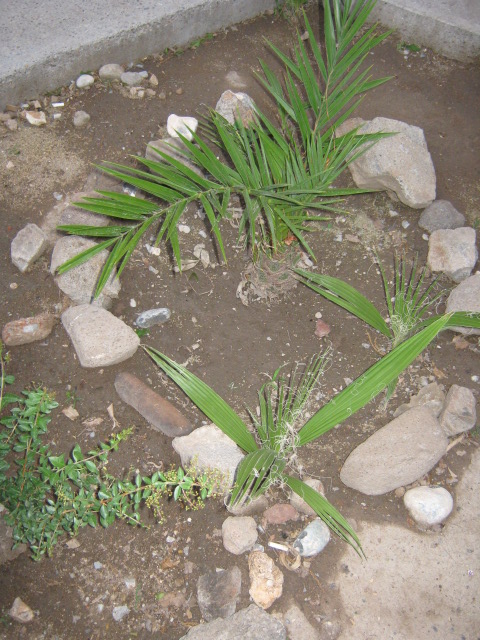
<point x="365" y="345"/>
<point x="425" y="237"/>
<point x="170" y="539"/>
<point x="13" y="285"/>
<point x="98" y="565"/>
<point x="405" y="224"/>
<point x="318" y="315"/>
<point x="269" y="339"/>
<point x="133" y="303"/>
<point x="475" y="378"/>
<point x="100" y="607"/>
<point x="392" y="213"/>
<point x="184" y="228"/>
<point x="339" y="237"/>
<point x="202" y="233"/>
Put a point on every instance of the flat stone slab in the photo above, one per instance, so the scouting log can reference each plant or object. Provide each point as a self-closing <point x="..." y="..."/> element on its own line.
<point x="396" y="455"/>
<point x="79" y="283"/>
<point x="100" y="339"/>
<point x="217" y="593"/>
<point x="252" y="623"/>
<point x="157" y="411"/>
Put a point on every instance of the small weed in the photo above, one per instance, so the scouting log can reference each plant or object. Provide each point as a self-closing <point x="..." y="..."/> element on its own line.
<point x="142" y="332"/>
<point x="206" y="38"/>
<point x="404" y="46"/>
<point x="72" y="398"/>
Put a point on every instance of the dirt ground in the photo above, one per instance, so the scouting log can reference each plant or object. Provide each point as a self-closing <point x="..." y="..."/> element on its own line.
<point x="231" y="346"/>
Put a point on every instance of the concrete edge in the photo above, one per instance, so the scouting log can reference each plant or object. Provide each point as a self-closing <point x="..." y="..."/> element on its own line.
<point x="173" y="30"/>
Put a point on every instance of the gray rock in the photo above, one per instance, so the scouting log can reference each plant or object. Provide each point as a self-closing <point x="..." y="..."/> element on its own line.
<point x="299" y="503"/>
<point x="171" y="147"/>
<point x="249" y="624"/>
<point x="460" y="412"/>
<point x="441" y="214"/>
<point x="26" y="330"/>
<point x="132" y="78"/>
<point x="266" y="579"/>
<point x="218" y="592"/>
<point x="111" y="72"/>
<point x="27" y="246"/>
<point x="313" y="539"/>
<point x="236" y="106"/>
<point x="158" y="411"/>
<point x="21" y="612"/>
<point x="396" y="455"/>
<point x="211" y="449"/>
<point x="7" y="553"/>
<point x="297" y="625"/>
<point x="465" y="297"/>
<point x="453" y="252"/>
<point x="428" y="505"/>
<point x="80" y="119"/>
<point x="99" y="338"/>
<point x="239" y="534"/>
<point x="431" y="396"/>
<point x="80" y="282"/>
<point x="84" y="81"/>
<point x="400" y="164"/>
<point x="153" y="317"/>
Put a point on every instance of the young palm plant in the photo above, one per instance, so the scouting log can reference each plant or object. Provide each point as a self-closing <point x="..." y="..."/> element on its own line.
<point x="281" y="177"/>
<point x="271" y="455"/>
<point x="409" y="303"/>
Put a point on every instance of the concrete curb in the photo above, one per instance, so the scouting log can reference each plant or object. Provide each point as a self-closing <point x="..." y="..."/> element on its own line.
<point x="45" y="45"/>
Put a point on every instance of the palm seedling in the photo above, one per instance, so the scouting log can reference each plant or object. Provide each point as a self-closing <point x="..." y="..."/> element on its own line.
<point x="271" y="455"/>
<point x="282" y="177"/>
<point x="409" y="303"/>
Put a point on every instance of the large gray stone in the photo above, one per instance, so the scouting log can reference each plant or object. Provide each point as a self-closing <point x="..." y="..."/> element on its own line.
<point x="99" y="338"/>
<point x="28" y="245"/>
<point x="111" y="71"/>
<point x="465" y="297"/>
<point x="79" y="283"/>
<point x="453" y="252"/>
<point x="441" y="214"/>
<point x="217" y="593"/>
<point x="396" y="455"/>
<point x="459" y="412"/>
<point x="399" y="164"/>
<point x="252" y="623"/>
<point x="209" y="448"/>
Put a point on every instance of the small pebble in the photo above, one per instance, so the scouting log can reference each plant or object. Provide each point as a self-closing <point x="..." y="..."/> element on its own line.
<point x="405" y="224"/>
<point x="13" y="285"/>
<point x="184" y="228"/>
<point x="318" y="315"/>
<point x="84" y="81"/>
<point x="98" y="565"/>
<point x="179" y="91"/>
<point x="133" y="303"/>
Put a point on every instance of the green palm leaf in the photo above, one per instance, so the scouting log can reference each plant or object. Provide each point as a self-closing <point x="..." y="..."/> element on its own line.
<point x="212" y="405"/>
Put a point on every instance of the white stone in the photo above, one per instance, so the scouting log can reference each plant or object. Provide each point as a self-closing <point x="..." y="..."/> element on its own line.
<point x="428" y="505"/>
<point x="465" y="297"/>
<point x="209" y="448"/>
<point x="399" y="164"/>
<point x="99" y="338"/>
<point x="111" y="72"/>
<point x="80" y="119"/>
<point x="181" y="124"/>
<point x="119" y="613"/>
<point x="397" y="454"/>
<point x="36" y="118"/>
<point x="453" y="252"/>
<point x="239" y="534"/>
<point x="27" y="246"/>
<point x="80" y="282"/>
<point x="459" y="412"/>
<point x="84" y="81"/>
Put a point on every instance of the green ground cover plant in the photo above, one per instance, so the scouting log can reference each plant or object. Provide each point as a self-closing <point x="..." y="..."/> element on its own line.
<point x="271" y="451"/>
<point x="410" y="301"/>
<point x="283" y="175"/>
<point x="47" y="496"/>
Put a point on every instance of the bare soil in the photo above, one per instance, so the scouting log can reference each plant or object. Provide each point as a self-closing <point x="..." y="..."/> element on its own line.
<point x="231" y="346"/>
